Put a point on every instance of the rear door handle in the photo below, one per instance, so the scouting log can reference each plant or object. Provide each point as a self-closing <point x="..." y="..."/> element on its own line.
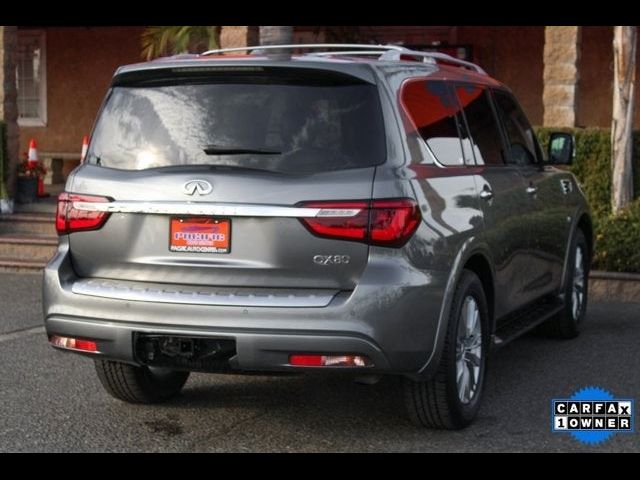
<point x="531" y="190"/>
<point x="486" y="194"/>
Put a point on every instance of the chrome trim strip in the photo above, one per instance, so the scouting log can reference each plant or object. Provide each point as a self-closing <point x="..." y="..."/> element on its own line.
<point x="338" y="212"/>
<point x="193" y="295"/>
<point x="214" y="209"/>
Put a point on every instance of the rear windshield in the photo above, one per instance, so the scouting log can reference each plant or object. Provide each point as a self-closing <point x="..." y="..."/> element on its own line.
<point x="301" y="127"/>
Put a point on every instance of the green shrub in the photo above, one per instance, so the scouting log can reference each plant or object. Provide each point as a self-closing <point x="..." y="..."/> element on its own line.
<point x="617" y="238"/>
<point x="618" y="241"/>
<point x="592" y="164"/>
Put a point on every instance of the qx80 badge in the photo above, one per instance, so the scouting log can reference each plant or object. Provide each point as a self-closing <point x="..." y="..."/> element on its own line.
<point x="331" y="259"/>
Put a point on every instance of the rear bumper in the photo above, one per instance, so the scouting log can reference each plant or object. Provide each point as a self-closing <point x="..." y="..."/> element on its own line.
<point x="255" y="350"/>
<point x="391" y="317"/>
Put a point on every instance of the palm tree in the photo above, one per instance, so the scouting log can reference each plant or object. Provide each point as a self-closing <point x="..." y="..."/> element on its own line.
<point x="169" y="40"/>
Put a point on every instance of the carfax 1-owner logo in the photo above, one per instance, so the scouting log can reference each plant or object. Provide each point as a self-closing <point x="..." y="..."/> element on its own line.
<point x="592" y="415"/>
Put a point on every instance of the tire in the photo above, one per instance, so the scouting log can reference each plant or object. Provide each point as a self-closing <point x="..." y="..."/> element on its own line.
<point x="437" y="403"/>
<point x="139" y="384"/>
<point x="568" y="322"/>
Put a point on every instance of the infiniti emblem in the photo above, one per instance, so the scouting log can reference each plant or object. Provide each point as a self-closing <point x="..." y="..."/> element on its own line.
<point x="201" y="186"/>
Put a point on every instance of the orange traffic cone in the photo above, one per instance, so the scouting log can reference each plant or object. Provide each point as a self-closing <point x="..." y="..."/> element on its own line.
<point x="85" y="147"/>
<point x="33" y="161"/>
<point x="32" y="158"/>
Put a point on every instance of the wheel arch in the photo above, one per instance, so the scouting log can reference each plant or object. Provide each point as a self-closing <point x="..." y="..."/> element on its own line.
<point x="585" y="224"/>
<point x="473" y="256"/>
<point x="479" y="264"/>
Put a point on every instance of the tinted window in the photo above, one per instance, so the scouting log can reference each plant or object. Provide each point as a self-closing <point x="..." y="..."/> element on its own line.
<point x="293" y="128"/>
<point x="485" y="135"/>
<point x="433" y="111"/>
<point x="519" y="133"/>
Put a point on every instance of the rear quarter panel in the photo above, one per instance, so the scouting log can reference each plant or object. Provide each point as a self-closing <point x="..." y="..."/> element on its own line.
<point x="449" y="233"/>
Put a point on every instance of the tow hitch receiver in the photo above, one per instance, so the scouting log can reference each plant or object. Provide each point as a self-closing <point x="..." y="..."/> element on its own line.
<point x="188" y="353"/>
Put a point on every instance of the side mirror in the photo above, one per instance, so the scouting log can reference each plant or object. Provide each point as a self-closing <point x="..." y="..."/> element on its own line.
<point x="561" y="149"/>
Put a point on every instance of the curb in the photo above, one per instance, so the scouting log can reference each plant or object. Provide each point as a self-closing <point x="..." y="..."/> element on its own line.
<point x="614" y="287"/>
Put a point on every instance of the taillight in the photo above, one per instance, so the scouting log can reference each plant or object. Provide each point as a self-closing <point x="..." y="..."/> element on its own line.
<point x="303" y="360"/>
<point x="71" y="219"/>
<point x="351" y="227"/>
<point x="393" y="222"/>
<point x="70" y="343"/>
<point x="387" y="223"/>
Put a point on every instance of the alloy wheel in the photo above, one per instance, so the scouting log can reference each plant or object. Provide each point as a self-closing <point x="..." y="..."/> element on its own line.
<point x="577" y="292"/>
<point x="468" y="350"/>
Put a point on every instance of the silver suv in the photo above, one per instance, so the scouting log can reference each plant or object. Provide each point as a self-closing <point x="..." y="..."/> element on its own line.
<point x="368" y="209"/>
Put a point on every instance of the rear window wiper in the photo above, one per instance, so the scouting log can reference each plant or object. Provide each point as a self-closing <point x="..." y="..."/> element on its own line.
<point x="220" y="150"/>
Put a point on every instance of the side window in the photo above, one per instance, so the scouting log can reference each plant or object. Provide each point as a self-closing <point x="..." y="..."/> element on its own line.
<point x="485" y="138"/>
<point x="433" y="110"/>
<point x="522" y="144"/>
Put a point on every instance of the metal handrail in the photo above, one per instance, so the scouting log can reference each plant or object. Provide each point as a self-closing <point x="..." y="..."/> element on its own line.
<point x="386" y="52"/>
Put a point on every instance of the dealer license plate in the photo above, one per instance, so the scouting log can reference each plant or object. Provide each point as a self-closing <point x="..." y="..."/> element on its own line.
<point x="200" y="235"/>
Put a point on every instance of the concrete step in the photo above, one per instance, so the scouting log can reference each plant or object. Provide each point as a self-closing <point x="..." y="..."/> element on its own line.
<point x="21" y="265"/>
<point x="32" y="247"/>
<point x="46" y="205"/>
<point x="27" y="223"/>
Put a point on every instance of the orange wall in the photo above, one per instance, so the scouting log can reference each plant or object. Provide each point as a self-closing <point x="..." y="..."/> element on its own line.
<point x="512" y="55"/>
<point x="595" y="95"/>
<point x="80" y="64"/>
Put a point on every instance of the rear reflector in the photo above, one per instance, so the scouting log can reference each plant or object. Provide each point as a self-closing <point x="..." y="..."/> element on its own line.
<point x="300" y="360"/>
<point x="387" y="223"/>
<point x="73" y="344"/>
<point x="70" y="219"/>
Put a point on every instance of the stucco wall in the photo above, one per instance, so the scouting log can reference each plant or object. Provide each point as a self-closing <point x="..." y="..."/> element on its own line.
<point x="80" y="64"/>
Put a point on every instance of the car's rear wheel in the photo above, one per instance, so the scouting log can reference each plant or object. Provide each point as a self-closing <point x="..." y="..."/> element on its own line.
<point x="139" y="384"/>
<point x="567" y="323"/>
<point x="451" y="399"/>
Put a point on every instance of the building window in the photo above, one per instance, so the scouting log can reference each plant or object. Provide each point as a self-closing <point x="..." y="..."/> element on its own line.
<point x="31" y="77"/>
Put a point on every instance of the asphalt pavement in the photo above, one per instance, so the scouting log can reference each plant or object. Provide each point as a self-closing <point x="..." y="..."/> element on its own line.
<point x="52" y="401"/>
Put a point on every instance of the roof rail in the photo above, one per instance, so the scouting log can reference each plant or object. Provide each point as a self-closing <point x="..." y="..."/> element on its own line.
<point x="347" y="53"/>
<point x="306" y="46"/>
<point x="386" y="52"/>
<point x="392" y="55"/>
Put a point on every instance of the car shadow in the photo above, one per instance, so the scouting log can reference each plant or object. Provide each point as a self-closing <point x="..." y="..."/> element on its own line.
<point x="522" y="378"/>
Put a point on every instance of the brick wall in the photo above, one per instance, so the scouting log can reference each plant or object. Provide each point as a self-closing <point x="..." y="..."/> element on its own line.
<point x="8" y="105"/>
<point x="80" y="64"/>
